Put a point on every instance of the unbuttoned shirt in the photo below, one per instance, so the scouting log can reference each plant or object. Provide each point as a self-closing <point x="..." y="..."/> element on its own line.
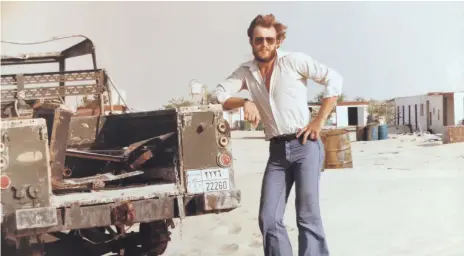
<point x="284" y="110"/>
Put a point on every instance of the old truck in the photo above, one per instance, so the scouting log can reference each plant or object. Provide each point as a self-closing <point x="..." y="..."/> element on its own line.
<point x="84" y="179"/>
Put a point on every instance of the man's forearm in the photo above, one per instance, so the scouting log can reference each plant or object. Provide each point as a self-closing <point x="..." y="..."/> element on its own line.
<point x="326" y="108"/>
<point x="233" y="102"/>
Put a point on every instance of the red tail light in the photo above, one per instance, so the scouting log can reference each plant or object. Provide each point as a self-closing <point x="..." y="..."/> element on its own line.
<point x="224" y="159"/>
<point x="6" y="182"/>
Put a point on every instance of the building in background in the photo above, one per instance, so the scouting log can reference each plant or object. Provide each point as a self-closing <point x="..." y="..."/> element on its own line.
<point x="351" y="113"/>
<point x="431" y="111"/>
<point x="235" y="118"/>
<point x="347" y="113"/>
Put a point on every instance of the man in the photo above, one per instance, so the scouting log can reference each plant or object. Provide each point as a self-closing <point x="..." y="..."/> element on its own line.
<point x="277" y="83"/>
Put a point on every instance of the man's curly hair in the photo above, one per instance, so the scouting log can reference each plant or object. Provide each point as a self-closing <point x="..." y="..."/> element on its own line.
<point x="268" y="21"/>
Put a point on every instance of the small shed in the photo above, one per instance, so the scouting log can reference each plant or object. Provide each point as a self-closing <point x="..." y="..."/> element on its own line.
<point x="351" y="113"/>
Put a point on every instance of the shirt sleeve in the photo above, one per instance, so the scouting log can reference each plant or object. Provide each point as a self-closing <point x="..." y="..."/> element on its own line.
<point x="232" y="84"/>
<point x="319" y="73"/>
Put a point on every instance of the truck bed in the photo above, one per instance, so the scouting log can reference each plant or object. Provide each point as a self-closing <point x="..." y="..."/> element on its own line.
<point x="110" y="196"/>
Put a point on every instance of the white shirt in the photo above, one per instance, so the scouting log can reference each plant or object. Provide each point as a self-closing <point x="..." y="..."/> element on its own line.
<point x="285" y="109"/>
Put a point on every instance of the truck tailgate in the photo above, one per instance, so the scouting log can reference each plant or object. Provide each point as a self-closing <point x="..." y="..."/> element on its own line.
<point x="110" y="196"/>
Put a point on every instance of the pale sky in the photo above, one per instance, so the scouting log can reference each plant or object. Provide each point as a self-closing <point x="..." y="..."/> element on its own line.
<point x="153" y="50"/>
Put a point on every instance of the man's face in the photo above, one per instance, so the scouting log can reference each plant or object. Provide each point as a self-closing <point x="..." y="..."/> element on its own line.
<point x="264" y="43"/>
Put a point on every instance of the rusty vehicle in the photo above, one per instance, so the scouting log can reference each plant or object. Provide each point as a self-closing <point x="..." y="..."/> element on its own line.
<point x="84" y="180"/>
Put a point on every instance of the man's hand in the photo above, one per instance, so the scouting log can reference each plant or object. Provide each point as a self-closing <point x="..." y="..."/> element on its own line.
<point x="251" y="113"/>
<point x="312" y="129"/>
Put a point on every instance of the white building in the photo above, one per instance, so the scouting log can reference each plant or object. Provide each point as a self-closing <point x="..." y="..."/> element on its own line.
<point x="234" y="117"/>
<point x="432" y="111"/>
<point x="347" y="113"/>
<point x="351" y="113"/>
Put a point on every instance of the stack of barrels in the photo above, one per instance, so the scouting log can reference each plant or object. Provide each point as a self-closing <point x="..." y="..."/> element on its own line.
<point x="372" y="131"/>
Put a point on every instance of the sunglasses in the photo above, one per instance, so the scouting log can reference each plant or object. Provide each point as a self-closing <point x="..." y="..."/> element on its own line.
<point x="269" y="40"/>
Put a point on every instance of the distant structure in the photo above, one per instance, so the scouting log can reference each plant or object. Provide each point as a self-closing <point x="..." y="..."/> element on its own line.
<point x="235" y="118"/>
<point x="430" y="112"/>
<point x="347" y="113"/>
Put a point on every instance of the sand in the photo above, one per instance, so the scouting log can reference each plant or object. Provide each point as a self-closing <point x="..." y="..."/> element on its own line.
<point x="404" y="196"/>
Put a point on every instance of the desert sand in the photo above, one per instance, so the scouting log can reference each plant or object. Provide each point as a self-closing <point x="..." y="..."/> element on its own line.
<point x="404" y="197"/>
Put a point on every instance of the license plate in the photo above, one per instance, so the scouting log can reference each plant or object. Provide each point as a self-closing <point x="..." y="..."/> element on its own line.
<point x="36" y="218"/>
<point x="208" y="180"/>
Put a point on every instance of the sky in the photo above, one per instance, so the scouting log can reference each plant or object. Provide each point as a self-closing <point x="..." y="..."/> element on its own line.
<point x="152" y="50"/>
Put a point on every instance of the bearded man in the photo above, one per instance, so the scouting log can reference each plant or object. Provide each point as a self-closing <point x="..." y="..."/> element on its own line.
<point x="277" y="82"/>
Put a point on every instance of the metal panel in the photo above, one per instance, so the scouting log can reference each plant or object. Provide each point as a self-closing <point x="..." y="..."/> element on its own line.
<point x="26" y="156"/>
<point x="59" y="136"/>
<point x="199" y="146"/>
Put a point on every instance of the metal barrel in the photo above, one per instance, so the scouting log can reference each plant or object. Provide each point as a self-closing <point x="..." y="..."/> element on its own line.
<point x="371" y="132"/>
<point x="337" y="147"/>
<point x="383" y="132"/>
<point x="360" y="133"/>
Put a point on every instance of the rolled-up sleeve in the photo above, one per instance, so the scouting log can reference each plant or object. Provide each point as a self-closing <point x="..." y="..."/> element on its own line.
<point x="232" y="84"/>
<point x="319" y="73"/>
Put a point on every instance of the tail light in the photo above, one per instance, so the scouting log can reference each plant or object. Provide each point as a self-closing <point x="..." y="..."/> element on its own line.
<point x="224" y="159"/>
<point x="5" y="182"/>
<point x="222" y="127"/>
<point x="223" y="141"/>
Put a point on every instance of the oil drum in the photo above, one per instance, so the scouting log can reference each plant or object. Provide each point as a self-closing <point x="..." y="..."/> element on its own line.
<point x="337" y="149"/>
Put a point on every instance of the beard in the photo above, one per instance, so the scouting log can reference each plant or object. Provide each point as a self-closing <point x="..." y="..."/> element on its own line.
<point x="264" y="59"/>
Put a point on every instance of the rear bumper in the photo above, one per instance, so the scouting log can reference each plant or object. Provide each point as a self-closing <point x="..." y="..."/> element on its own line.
<point x="46" y="220"/>
<point x="222" y="200"/>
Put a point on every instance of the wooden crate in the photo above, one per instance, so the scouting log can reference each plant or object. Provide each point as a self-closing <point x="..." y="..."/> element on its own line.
<point x="453" y="134"/>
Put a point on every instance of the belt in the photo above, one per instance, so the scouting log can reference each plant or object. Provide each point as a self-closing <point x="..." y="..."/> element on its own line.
<point x="284" y="138"/>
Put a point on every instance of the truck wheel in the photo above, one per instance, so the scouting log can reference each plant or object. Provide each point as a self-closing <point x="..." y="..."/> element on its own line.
<point x="155" y="237"/>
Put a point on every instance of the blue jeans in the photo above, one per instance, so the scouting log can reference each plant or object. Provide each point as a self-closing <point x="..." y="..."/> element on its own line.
<point x="292" y="162"/>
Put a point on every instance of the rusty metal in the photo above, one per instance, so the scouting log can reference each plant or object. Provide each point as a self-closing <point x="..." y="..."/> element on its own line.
<point x="99" y="178"/>
<point x="59" y="136"/>
<point x="141" y="159"/>
<point x="67" y="172"/>
<point x="123" y="214"/>
<point x="337" y="147"/>
<point x="82" y="48"/>
<point x="9" y="95"/>
<point x="131" y="148"/>
<point x="80" y="217"/>
<point x="96" y="156"/>
<point x="51" y="77"/>
<point x="222" y="200"/>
